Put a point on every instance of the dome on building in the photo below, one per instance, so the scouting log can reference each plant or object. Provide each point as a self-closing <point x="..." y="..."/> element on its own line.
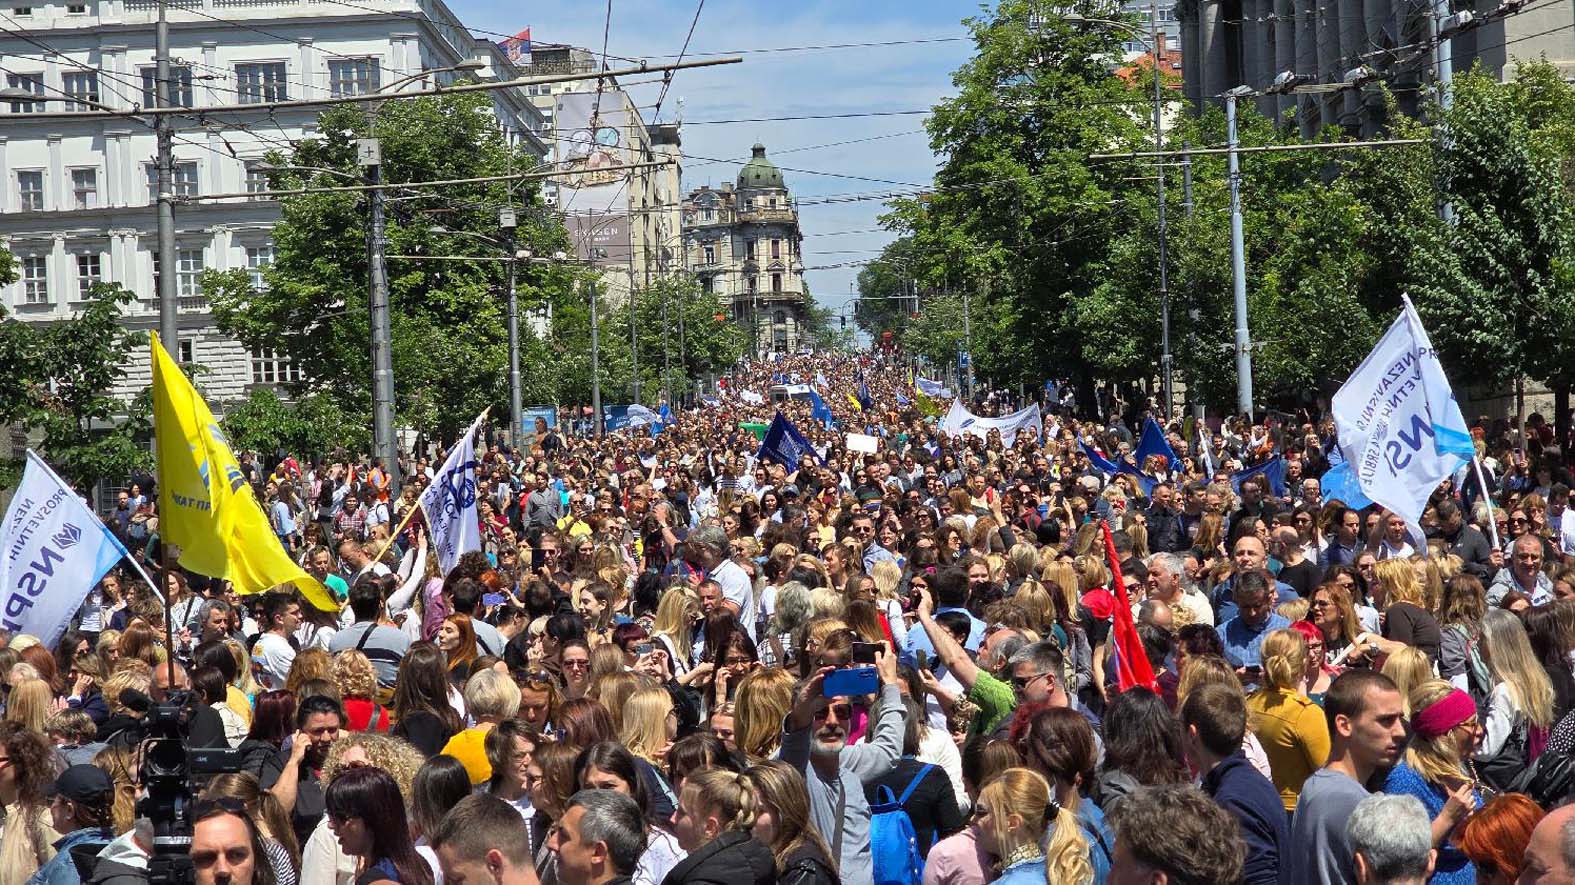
<point x="759" y="172"/>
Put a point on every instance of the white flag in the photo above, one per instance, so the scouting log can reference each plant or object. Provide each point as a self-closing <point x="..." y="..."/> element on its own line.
<point x="959" y="421"/>
<point x="56" y="549"/>
<point x="640" y="416"/>
<point x="450" y="503"/>
<point x="1400" y="427"/>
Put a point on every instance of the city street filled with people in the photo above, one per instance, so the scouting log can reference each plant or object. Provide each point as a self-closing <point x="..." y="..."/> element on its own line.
<point x="814" y="630"/>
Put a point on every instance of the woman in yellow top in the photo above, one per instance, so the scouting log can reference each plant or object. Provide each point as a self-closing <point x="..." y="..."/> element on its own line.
<point x="490" y="698"/>
<point x="1288" y="724"/>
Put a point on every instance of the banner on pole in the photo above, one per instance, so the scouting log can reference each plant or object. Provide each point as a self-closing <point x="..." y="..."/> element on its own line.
<point x="959" y="421"/>
<point x="56" y="549"/>
<point x="450" y="502"/>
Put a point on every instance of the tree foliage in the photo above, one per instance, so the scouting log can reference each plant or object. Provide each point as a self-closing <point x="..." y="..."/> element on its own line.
<point x="59" y="377"/>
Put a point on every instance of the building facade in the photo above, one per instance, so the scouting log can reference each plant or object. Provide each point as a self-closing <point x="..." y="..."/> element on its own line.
<point x="1229" y="43"/>
<point x="623" y="221"/>
<point x="743" y="243"/>
<point x="78" y="201"/>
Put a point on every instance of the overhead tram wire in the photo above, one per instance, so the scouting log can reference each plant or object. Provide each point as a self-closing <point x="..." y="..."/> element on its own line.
<point x="667" y="81"/>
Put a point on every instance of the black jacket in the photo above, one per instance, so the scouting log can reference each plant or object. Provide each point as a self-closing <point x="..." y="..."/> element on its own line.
<point x="732" y="858"/>
<point x="807" y="866"/>
<point x="933" y="805"/>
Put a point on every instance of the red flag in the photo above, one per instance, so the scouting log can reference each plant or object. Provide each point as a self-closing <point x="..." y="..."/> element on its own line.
<point x="1132" y="667"/>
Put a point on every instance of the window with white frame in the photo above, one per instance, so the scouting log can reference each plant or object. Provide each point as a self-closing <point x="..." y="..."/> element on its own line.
<point x="257" y="258"/>
<point x="82" y="87"/>
<point x="33" y="83"/>
<point x="90" y="270"/>
<point x="256" y="177"/>
<point x="84" y="188"/>
<point x="260" y="82"/>
<point x="186" y="351"/>
<point x="710" y="253"/>
<point x="35" y="279"/>
<point x="271" y="367"/>
<point x="180" y="86"/>
<point x="188" y="273"/>
<point x="30" y="189"/>
<point x="183" y="180"/>
<point x="352" y="76"/>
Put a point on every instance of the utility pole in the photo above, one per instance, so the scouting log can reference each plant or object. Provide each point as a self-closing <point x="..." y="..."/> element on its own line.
<point x="1164" y="259"/>
<point x="169" y="300"/>
<point x="369" y="156"/>
<point x="1444" y="69"/>
<point x="596" y="362"/>
<point x="508" y="221"/>
<point x="1186" y="177"/>
<point x="634" y="335"/>
<point x="1238" y="260"/>
<point x="968" y="343"/>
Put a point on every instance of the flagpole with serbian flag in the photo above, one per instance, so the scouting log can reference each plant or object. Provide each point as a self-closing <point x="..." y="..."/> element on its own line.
<point x="207" y="509"/>
<point x="1132" y="666"/>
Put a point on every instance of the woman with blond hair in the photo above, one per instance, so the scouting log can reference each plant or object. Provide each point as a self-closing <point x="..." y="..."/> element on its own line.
<point x="782" y="822"/>
<point x="887" y="575"/>
<point x="29" y="704"/>
<point x="1291" y="727"/>
<point x="309" y="664"/>
<point x="1064" y="576"/>
<point x="1407" y="668"/>
<point x="1034" y="838"/>
<point x="357" y="683"/>
<point x="714" y="822"/>
<point x="1520" y="710"/>
<point x="490" y="698"/>
<point x="674" y="628"/>
<point x="649" y="724"/>
<point x="1406" y="622"/>
<point x="1436" y="769"/>
<point x="760" y="704"/>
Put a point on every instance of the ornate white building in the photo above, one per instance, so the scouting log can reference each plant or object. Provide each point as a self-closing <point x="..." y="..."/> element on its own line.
<point x="743" y="243"/>
<point x="76" y="204"/>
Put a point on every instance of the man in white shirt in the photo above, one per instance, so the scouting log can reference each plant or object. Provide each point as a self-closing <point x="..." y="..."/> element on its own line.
<point x="355" y="562"/>
<point x="274" y="653"/>
<point x="709" y="546"/>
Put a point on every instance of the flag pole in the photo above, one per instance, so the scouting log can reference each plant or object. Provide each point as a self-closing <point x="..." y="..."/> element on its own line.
<point x="1487" y="496"/>
<point x="395" y="533"/>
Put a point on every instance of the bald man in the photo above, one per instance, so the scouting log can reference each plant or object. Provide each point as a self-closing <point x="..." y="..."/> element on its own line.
<point x="1550" y="855"/>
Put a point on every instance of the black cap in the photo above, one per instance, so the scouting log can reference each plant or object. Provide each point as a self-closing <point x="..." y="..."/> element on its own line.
<point x="88" y="784"/>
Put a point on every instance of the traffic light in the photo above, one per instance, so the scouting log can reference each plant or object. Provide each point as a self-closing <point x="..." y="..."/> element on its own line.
<point x="844" y="320"/>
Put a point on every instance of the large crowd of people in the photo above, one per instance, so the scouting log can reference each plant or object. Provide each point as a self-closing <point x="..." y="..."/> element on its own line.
<point x="671" y="661"/>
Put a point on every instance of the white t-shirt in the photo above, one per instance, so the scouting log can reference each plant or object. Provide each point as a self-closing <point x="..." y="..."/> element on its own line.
<point x="737" y="590"/>
<point x="271" y="660"/>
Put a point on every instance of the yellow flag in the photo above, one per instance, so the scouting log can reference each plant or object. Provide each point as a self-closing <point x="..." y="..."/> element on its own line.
<point x="854" y="401"/>
<point x="206" y="507"/>
<point x="927" y="406"/>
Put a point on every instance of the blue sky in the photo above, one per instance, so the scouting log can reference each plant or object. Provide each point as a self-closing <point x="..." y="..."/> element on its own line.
<point x="842" y="81"/>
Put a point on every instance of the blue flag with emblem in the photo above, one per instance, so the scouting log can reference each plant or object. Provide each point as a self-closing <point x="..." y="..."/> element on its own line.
<point x="784" y="444"/>
<point x="865" y="402"/>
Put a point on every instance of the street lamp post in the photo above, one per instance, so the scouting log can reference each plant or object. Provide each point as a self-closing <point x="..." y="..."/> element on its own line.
<point x="507" y="220"/>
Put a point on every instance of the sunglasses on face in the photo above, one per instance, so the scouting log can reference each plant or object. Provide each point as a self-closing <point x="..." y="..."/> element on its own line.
<point x="844" y="712"/>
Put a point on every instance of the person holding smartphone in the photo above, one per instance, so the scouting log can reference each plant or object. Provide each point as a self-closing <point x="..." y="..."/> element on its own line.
<point x="816" y="743"/>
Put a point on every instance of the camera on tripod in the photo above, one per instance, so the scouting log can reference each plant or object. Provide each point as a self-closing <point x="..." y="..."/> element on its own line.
<point x="171" y="774"/>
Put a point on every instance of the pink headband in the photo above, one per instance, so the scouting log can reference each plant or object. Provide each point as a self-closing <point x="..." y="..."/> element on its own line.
<point x="1444" y="714"/>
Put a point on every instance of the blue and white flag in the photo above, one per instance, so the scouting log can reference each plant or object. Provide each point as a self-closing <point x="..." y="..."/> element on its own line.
<point x="1338" y="483"/>
<point x="1400" y="427"/>
<point x="784" y="444"/>
<point x="959" y="421"/>
<point x="56" y="550"/>
<point x="450" y="503"/>
<point x="1101" y="463"/>
<point x="1206" y="450"/>
<point x="820" y="381"/>
<point x="640" y="416"/>
<point x="932" y="388"/>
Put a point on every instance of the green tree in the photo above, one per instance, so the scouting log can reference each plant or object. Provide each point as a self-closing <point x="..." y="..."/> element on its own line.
<point x="265" y="422"/>
<point x="59" y="379"/>
<point x="1019" y="216"/>
<point x="449" y="344"/>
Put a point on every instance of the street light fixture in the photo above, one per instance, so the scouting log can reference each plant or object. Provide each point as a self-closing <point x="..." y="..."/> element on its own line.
<point x="1152" y="45"/>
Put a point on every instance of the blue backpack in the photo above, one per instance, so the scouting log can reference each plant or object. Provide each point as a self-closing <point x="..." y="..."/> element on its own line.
<point x="894" y="845"/>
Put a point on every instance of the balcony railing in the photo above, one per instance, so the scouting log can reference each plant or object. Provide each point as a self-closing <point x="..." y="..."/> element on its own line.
<point x="759" y="214"/>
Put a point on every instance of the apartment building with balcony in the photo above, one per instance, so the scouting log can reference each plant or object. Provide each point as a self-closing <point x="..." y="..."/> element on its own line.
<point x="744" y="244"/>
<point x="77" y="196"/>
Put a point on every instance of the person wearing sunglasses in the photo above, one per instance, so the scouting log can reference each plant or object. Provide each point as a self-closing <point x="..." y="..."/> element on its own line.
<point x="816" y="743"/>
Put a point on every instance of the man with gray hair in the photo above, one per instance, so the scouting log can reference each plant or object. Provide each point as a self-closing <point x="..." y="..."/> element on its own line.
<point x="1391" y="840"/>
<point x="1167" y="582"/>
<point x="599" y="838"/>
<point x="706" y="549"/>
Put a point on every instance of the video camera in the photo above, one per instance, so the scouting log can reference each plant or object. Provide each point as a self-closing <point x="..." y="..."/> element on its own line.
<point x="171" y="774"/>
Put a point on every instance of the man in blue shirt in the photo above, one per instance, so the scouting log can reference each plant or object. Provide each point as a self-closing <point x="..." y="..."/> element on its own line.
<point x="1255" y="617"/>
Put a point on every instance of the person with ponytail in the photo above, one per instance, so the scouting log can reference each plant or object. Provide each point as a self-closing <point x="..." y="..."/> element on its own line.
<point x="1437" y="770"/>
<point x="782" y="823"/>
<point x="1291" y="727"/>
<point x="713" y="822"/>
<point x="1034" y="838"/>
<point x="1060" y="744"/>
